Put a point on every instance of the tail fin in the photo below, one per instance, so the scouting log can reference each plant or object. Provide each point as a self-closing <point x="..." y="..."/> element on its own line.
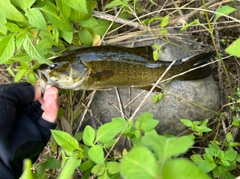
<point x="196" y="61"/>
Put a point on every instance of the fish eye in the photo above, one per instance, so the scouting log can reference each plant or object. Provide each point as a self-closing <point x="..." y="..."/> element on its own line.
<point x="53" y="66"/>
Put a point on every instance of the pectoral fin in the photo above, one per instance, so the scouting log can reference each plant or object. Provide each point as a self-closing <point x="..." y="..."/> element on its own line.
<point x="102" y="75"/>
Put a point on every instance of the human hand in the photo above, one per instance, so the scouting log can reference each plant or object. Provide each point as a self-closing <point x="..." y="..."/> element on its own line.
<point x="25" y="124"/>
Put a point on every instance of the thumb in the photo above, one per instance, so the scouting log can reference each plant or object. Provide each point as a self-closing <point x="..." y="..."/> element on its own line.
<point x="50" y="104"/>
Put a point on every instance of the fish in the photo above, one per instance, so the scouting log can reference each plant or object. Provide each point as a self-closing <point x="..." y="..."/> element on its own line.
<point x="106" y="67"/>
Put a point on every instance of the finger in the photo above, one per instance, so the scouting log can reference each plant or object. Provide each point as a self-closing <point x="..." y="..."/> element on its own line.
<point x="38" y="92"/>
<point x="50" y="104"/>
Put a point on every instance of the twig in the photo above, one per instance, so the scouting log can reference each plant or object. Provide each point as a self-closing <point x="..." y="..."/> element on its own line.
<point x="86" y="110"/>
<point x="112" y="18"/>
<point x="119" y="103"/>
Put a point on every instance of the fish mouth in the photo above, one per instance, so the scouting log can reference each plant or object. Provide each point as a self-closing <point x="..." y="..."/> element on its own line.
<point x="44" y="80"/>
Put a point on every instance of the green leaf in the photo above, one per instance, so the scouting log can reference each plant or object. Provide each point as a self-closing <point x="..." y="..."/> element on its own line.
<point x="27" y="169"/>
<point x="65" y="140"/>
<point x="166" y="147"/>
<point x="63" y="8"/>
<point x="96" y="154"/>
<point x="224" y="10"/>
<point x="77" y="16"/>
<point x="85" y="36"/>
<point x="23" y="3"/>
<point x="182" y="169"/>
<point x="230" y="155"/>
<point x="36" y="18"/>
<point x="233" y="49"/>
<point x="57" y="21"/>
<point x="13" y="27"/>
<point x="98" y="169"/>
<point x="164" y="21"/>
<point x="68" y="36"/>
<point x="146" y="122"/>
<point x="33" y="52"/>
<point x="7" y="48"/>
<point x="113" y="167"/>
<point x="156" y="96"/>
<point x="108" y="131"/>
<point x="3" y="21"/>
<point x="139" y="163"/>
<point x="31" y="77"/>
<point x="187" y="122"/>
<point x="20" y="74"/>
<point x="69" y="168"/>
<point x="235" y="121"/>
<point x="116" y="3"/>
<point x="81" y="5"/>
<point x="10" y="12"/>
<point x="88" y="135"/>
<point x="86" y="165"/>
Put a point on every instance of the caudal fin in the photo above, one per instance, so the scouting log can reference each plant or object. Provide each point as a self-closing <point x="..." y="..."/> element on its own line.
<point x="196" y="61"/>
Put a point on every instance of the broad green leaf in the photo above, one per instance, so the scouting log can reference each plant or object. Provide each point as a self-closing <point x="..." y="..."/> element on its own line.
<point x="235" y="121"/>
<point x="233" y="49"/>
<point x="166" y="147"/>
<point x="23" y="3"/>
<point x="146" y="122"/>
<point x="68" y="36"/>
<point x="108" y="131"/>
<point x="96" y="154"/>
<point x="187" y="122"/>
<point x="85" y="36"/>
<point x="182" y="169"/>
<point x="113" y="167"/>
<point x="36" y="18"/>
<point x="69" y="168"/>
<point x="13" y="27"/>
<point x="65" y="140"/>
<point x="88" y="135"/>
<point x="104" y="176"/>
<point x="63" y="8"/>
<point x="3" y="21"/>
<point x="98" y="169"/>
<point x="9" y="69"/>
<point x="33" y="52"/>
<point x="31" y="77"/>
<point x="164" y="21"/>
<point x="81" y="5"/>
<point x="102" y="27"/>
<point x="155" y="57"/>
<point x="7" y="48"/>
<point x="10" y="12"/>
<point x="86" y="165"/>
<point x="230" y="154"/>
<point x="57" y="21"/>
<point x="139" y="163"/>
<point x="20" y="37"/>
<point x="27" y="169"/>
<point x="77" y="16"/>
<point x="224" y="10"/>
<point x="20" y="74"/>
<point x="116" y="3"/>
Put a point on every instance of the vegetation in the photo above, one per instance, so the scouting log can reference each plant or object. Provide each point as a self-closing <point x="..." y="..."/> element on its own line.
<point x="31" y="31"/>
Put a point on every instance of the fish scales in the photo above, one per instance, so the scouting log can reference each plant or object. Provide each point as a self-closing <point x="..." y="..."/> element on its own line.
<point x="106" y="67"/>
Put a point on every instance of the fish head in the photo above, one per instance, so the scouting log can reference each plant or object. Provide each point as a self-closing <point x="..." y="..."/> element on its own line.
<point x="63" y="75"/>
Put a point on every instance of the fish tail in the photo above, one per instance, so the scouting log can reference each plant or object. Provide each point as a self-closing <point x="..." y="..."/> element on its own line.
<point x="196" y="61"/>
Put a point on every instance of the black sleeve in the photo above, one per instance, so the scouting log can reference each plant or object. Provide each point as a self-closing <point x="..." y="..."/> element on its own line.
<point x="23" y="131"/>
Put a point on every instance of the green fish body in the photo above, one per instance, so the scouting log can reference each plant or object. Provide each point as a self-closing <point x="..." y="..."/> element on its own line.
<point x="105" y="67"/>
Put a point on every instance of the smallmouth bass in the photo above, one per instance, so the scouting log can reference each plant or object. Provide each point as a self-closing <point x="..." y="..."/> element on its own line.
<point x="104" y="67"/>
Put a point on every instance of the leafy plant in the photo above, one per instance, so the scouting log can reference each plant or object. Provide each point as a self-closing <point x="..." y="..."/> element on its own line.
<point x="197" y="127"/>
<point x="219" y="162"/>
